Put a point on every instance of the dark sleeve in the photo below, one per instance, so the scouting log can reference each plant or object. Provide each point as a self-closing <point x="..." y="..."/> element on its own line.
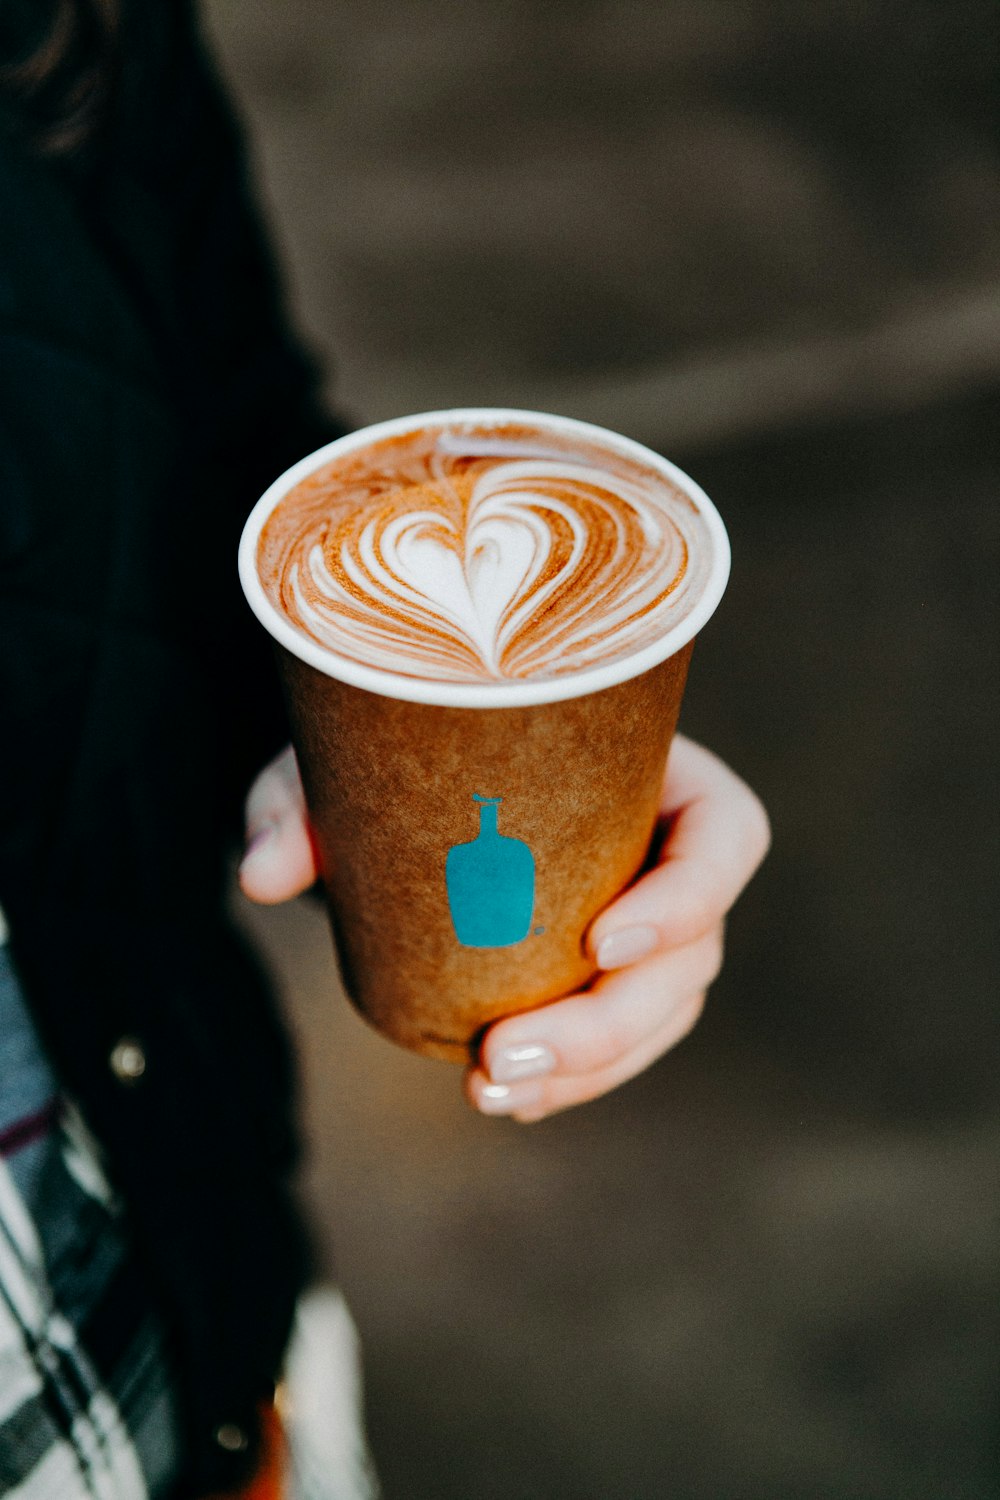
<point x="152" y="387"/>
<point x="251" y="389"/>
<point x="180" y="195"/>
<point x="184" y="223"/>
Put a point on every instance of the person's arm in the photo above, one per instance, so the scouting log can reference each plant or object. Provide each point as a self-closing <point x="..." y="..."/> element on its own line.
<point x="179" y="217"/>
<point x="659" y="946"/>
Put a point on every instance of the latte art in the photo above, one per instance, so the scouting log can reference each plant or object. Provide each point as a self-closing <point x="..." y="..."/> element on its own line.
<point x="460" y="557"/>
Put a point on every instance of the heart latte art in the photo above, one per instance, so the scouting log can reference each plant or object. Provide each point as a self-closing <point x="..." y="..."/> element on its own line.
<point x="463" y="555"/>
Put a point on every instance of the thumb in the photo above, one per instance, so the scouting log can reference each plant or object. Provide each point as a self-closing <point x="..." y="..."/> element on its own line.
<point x="278" y="862"/>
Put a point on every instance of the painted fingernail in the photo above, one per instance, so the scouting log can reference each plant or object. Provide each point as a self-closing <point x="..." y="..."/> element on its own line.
<point x="259" y="839"/>
<point x="501" y="1099"/>
<point x="529" y="1060"/>
<point x="627" y="946"/>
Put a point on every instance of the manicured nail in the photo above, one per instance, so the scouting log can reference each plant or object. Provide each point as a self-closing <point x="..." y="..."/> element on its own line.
<point x="260" y="838"/>
<point x="499" y="1099"/>
<point x="627" y="946"/>
<point x="530" y="1060"/>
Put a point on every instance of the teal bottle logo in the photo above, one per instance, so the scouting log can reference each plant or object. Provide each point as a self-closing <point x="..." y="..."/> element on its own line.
<point x="491" y="884"/>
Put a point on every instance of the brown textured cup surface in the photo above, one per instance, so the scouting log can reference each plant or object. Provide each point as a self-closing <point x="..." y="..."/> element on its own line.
<point x="484" y="621"/>
<point x="390" y="788"/>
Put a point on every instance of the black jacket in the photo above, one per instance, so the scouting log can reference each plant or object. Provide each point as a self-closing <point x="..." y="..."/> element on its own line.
<point x="149" y="391"/>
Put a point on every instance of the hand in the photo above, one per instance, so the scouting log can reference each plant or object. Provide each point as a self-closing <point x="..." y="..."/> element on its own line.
<point x="659" y="944"/>
<point x="659" y="947"/>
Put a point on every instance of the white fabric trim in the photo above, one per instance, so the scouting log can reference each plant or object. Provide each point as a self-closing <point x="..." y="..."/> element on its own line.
<point x="319" y="1402"/>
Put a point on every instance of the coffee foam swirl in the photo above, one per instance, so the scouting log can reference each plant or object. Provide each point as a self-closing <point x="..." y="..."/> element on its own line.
<point x="483" y="557"/>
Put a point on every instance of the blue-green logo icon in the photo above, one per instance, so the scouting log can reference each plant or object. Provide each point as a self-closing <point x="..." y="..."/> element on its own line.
<point x="491" y="884"/>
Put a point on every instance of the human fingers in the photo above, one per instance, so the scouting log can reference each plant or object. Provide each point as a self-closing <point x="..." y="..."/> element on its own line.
<point x="567" y="1092"/>
<point x="533" y="1099"/>
<point x="278" y="862"/>
<point x="578" y="1047"/>
<point x="717" y="836"/>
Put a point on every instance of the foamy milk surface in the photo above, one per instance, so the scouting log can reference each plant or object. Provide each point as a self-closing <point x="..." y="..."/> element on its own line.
<point x="461" y="553"/>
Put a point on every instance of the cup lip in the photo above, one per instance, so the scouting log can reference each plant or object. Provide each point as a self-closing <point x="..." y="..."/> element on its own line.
<point x="490" y="694"/>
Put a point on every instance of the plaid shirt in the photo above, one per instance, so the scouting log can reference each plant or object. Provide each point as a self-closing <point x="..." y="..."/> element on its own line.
<point x="86" y="1404"/>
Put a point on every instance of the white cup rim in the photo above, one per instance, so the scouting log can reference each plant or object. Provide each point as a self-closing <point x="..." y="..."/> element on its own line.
<point x="482" y="694"/>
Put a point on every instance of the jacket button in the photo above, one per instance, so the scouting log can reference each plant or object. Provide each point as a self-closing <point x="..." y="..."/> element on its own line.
<point x="231" y="1437"/>
<point x="127" y="1060"/>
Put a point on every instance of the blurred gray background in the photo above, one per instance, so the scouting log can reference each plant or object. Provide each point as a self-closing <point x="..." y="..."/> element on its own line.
<point x="762" y="237"/>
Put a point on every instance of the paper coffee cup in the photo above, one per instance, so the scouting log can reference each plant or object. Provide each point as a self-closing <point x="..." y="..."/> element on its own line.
<point x="468" y="833"/>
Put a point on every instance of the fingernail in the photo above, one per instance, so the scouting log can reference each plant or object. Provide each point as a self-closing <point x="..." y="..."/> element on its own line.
<point x="259" y="839"/>
<point x="627" y="946"/>
<point x="500" y="1099"/>
<point x="529" y="1060"/>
